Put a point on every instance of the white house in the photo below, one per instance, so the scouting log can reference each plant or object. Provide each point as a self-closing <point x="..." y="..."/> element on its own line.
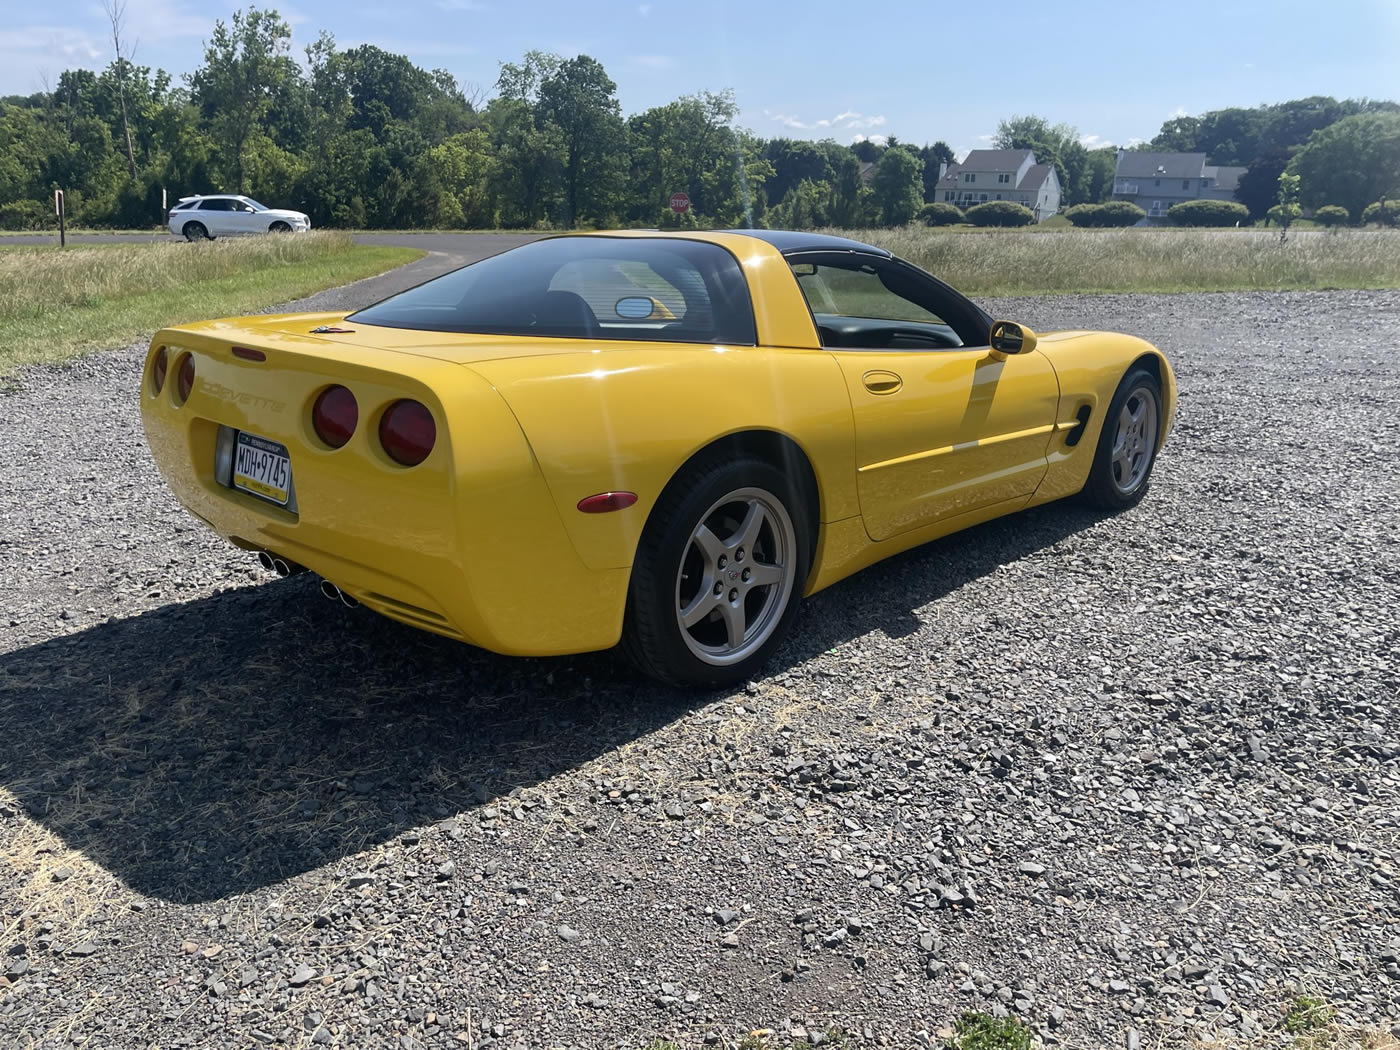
<point x="1156" y="181"/>
<point x="1002" y="175"/>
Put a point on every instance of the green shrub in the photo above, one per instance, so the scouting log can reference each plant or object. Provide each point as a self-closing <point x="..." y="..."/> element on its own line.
<point x="28" y="215"/>
<point x="940" y="214"/>
<point x="1331" y="215"/>
<point x="1308" y="1014"/>
<point x="1000" y="213"/>
<point x="1385" y="213"/>
<point x="979" y="1031"/>
<point x="1114" y="213"/>
<point x="1208" y="213"/>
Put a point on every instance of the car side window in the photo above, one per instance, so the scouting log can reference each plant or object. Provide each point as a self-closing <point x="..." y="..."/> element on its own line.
<point x="860" y="304"/>
<point x="216" y="205"/>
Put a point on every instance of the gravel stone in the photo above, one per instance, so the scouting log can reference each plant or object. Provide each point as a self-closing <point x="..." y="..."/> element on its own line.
<point x="1149" y="762"/>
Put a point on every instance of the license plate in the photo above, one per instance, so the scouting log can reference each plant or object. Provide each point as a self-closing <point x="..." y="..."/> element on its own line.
<point x="262" y="467"/>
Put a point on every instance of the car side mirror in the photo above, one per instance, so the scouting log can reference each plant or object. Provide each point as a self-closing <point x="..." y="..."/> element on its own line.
<point x="1011" y="338"/>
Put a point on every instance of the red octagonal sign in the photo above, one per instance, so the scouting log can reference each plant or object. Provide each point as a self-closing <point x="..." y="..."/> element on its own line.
<point x="680" y="203"/>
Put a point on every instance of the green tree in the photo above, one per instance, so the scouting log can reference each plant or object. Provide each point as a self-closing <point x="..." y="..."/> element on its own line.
<point x="580" y="99"/>
<point x="1352" y="162"/>
<point x="1287" y="210"/>
<point x="244" y="67"/>
<point x="898" y="187"/>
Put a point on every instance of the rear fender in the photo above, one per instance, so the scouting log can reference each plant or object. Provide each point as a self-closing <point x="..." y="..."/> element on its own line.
<point x="628" y="420"/>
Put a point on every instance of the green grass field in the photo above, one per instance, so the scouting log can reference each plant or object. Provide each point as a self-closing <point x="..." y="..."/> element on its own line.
<point x="57" y="304"/>
<point x="1147" y="260"/>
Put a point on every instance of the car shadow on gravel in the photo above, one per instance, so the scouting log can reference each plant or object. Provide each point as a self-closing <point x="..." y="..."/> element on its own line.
<point x="206" y="749"/>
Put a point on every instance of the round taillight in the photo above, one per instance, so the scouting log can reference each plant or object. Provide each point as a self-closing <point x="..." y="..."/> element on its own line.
<point x="335" y="415"/>
<point x="160" y="364"/>
<point x="407" y="432"/>
<point x="184" y="381"/>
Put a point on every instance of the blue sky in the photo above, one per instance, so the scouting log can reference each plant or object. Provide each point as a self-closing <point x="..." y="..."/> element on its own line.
<point x="920" y="70"/>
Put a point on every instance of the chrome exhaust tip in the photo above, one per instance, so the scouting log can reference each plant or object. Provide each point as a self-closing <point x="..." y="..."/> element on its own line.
<point x="281" y="566"/>
<point x="334" y="593"/>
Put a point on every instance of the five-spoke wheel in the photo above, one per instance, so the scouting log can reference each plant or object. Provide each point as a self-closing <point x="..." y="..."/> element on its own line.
<point x="736" y="576"/>
<point x="719" y="572"/>
<point x="1128" y="444"/>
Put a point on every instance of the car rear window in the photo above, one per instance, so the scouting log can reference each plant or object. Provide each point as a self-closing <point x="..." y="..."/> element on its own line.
<point x="644" y="288"/>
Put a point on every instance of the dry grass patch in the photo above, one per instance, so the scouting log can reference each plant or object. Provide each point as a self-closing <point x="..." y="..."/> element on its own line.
<point x="1001" y="262"/>
<point x="56" y="303"/>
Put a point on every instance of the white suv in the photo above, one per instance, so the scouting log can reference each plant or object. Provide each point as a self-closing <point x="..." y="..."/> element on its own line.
<point x="196" y="218"/>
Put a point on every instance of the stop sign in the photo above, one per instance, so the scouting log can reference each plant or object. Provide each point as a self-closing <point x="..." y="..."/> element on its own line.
<point x="680" y="203"/>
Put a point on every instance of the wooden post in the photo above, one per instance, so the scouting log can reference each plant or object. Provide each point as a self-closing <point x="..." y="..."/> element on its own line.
<point x="62" y="224"/>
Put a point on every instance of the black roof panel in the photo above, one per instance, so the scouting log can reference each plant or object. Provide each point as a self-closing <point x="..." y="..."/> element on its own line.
<point x="787" y="241"/>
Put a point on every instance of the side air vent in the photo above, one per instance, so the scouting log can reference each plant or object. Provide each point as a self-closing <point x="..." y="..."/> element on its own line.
<point x="1077" y="431"/>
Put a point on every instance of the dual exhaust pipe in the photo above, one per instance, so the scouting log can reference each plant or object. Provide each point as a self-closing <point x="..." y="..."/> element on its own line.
<point x="278" y="564"/>
<point x="286" y="567"/>
<point x="334" y="593"/>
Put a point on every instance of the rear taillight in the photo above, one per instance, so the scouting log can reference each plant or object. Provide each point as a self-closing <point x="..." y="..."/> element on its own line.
<point x="335" y="415"/>
<point x="159" y="365"/>
<point x="407" y="432"/>
<point x="184" y="380"/>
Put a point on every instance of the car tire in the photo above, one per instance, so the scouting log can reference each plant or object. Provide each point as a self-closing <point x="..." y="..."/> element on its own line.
<point x="195" y="231"/>
<point x="279" y="227"/>
<point x="755" y="550"/>
<point x="1128" y="443"/>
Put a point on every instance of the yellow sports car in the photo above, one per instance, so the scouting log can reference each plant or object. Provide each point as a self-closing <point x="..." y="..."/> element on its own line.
<point x="662" y="440"/>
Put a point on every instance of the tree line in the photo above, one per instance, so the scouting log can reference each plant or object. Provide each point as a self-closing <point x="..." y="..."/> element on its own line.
<point x="365" y="138"/>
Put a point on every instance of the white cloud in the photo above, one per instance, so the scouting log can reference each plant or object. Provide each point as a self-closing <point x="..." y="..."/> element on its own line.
<point x="644" y="9"/>
<point x="1093" y="141"/>
<point x="1136" y="141"/>
<point x="879" y="140"/>
<point x="985" y="138"/>
<point x="461" y="5"/>
<point x="52" y="41"/>
<point x="849" y="120"/>
<point x="1180" y="111"/>
<point x="652" y="61"/>
<point x="154" y="20"/>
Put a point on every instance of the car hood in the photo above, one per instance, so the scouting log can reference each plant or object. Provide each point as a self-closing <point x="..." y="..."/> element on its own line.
<point x="283" y="213"/>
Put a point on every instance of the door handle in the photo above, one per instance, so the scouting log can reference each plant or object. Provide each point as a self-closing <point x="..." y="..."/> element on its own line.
<point x="880" y="382"/>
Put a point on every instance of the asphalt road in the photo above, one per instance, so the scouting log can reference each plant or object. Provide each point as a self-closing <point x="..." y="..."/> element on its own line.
<point x="1133" y="779"/>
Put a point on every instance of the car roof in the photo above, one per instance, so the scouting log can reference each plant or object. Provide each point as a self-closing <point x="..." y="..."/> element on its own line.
<point x="791" y="241"/>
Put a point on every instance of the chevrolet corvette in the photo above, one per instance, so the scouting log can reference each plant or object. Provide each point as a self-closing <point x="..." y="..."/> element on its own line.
<point x="655" y="441"/>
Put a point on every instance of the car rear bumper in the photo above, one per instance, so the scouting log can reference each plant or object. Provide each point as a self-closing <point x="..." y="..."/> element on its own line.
<point x="468" y="544"/>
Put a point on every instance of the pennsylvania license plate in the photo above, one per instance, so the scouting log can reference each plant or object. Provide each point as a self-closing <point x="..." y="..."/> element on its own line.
<point x="262" y="467"/>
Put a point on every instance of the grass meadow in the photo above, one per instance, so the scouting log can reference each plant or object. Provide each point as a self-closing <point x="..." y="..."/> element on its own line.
<point x="56" y="303"/>
<point x="1006" y="262"/>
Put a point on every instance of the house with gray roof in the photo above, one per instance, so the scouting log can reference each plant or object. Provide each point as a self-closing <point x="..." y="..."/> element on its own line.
<point x="1156" y="181"/>
<point x="1001" y="175"/>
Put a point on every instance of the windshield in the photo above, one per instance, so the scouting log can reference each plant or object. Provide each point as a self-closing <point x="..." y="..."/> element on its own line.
<point x="646" y="288"/>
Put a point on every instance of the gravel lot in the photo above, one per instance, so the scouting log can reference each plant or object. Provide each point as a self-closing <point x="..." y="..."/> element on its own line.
<point x="1133" y="779"/>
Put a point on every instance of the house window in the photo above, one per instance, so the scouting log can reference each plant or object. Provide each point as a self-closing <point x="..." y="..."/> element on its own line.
<point x="969" y="177"/>
<point x="1156" y="182"/>
<point x="998" y="196"/>
<point x="981" y="196"/>
<point x="1003" y="178"/>
<point x="1185" y="184"/>
<point x="947" y="195"/>
<point x="1156" y="208"/>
